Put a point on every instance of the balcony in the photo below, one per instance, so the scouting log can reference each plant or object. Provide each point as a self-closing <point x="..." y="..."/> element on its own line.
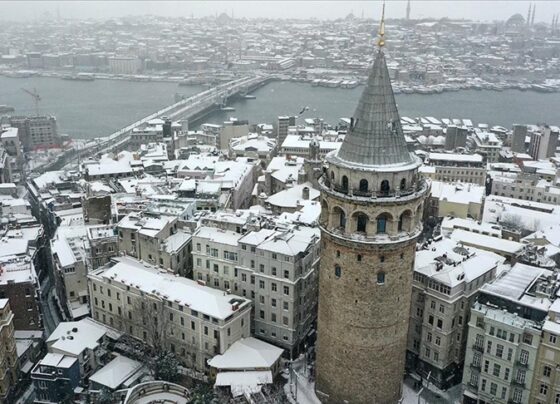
<point x="518" y="383"/>
<point x="475" y="366"/>
<point x="478" y="348"/>
<point x="520" y="364"/>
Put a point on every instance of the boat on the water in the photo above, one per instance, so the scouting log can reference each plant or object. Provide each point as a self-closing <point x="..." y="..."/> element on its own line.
<point x="227" y="109"/>
<point x="6" y="108"/>
<point x="249" y="97"/>
<point x="79" y="77"/>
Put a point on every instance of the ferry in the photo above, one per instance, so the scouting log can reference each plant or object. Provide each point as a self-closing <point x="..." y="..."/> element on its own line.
<point x="6" y="108"/>
<point x="79" y="77"/>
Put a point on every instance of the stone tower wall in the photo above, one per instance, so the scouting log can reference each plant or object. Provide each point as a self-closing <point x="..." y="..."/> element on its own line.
<point x="362" y="345"/>
<point x="362" y="324"/>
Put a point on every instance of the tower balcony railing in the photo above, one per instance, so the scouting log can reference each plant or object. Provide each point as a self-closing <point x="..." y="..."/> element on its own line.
<point x="419" y="186"/>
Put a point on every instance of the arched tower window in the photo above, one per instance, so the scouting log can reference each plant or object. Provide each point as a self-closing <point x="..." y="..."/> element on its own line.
<point x="361" y="222"/>
<point x="382" y="223"/>
<point x="404" y="221"/>
<point x="332" y="175"/>
<point x="403" y="184"/>
<point x="363" y="185"/>
<point x="384" y="187"/>
<point x="345" y="183"/>
<point x="381" y="278"/>
<point x="337" y="271"/>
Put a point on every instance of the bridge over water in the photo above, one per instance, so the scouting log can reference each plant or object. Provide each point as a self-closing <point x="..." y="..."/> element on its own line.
<point x="189" y="108"/>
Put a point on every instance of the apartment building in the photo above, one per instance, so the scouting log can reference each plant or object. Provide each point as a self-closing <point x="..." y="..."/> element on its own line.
<point x="156" y="239"/>
<point x="447" y="278"/>
<point x="69" y="249"/>
<point x="504" y="337"/>
<point x="156" y="307"/>
<point x="526" y="186"/>
<point x="543" y="142"/>
<point x="9" y="366"/>
<point x="103" y="244"/>
<point x="453" y="167"/>
<point x="19" y="284"/>
<point x="546" y="380"/>
<point x="276" y="268"/>
<point x="36" y="131"/>
<point x="486" y="144"/>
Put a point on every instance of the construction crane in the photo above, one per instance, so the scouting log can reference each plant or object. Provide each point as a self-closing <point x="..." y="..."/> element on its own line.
<point x="36" y="98"/>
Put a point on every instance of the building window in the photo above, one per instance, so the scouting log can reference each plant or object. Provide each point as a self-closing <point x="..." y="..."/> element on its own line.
<point x="403" y="184"/>
<point x="359" y="258"/>
<point x="384" y="188"/>
<point x="496" y="370"/>
<point x="382" y="223"/>
<point x="381" y="278"/>
<point x="544" y="389"/>
<point x="547" y="371"/>
<point x="363" y="185"/>
<point x="361" y="223"/>
<point x="337" y="271"/>
<point x="524" y="357"/>
<point x="345" y="183"/>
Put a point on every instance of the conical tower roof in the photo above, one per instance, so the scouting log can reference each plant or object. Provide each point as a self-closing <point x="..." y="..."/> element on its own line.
<point x="376" y="137"/>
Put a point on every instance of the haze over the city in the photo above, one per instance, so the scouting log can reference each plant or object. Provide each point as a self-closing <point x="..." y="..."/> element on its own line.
<point x="473" y="10"/>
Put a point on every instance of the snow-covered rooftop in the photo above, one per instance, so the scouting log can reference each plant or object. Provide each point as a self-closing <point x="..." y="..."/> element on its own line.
<point x="172" y="288"/>
<point x="247" y="353"/>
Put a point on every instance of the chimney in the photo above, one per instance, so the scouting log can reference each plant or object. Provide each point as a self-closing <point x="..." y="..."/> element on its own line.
<point x="305" y="193"/>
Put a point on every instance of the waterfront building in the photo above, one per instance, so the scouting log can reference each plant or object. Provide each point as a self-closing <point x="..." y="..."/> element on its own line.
<point x="372" y="202"/>
<point x="124" y="64"/>
<point x="455" y="137"/>
<point x="504" y="336"/>
<point x="447" y="278"/>
<point x="36" y="131"/>
<point x="277" y="269"/>
<point x="543" y="142"/>
<point x="282" y="125"/>
<point x="9" y="365"/>
<point x="452" y="167"/>
<point x="518" y="138"/>
<point x="158" y="308"/>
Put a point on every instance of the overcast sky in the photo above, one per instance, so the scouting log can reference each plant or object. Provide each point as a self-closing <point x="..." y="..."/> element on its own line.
<point x="477" y="10"/>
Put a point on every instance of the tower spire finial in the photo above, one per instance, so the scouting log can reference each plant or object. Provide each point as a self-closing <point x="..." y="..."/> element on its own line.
<point x="381" y="40"/>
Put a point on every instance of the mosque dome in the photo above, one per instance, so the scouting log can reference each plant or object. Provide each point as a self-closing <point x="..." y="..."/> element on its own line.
<point x="516" y="19"/>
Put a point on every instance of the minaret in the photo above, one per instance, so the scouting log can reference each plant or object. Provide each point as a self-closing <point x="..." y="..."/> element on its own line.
<point x="372" y="200"/>
<point x="408" y="10"/>
<point x="533" y="17"/>
<point x="529" y="15"/>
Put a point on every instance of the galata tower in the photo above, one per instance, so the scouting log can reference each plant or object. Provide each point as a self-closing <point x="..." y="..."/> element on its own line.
<point x="371" y="215"/>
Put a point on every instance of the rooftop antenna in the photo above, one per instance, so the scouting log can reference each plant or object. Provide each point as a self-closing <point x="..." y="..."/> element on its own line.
<point x="529" y="15"/>
<point x="533" y="17"/>
<point x="381" y="32"/>
<point x="36" y="99"/>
